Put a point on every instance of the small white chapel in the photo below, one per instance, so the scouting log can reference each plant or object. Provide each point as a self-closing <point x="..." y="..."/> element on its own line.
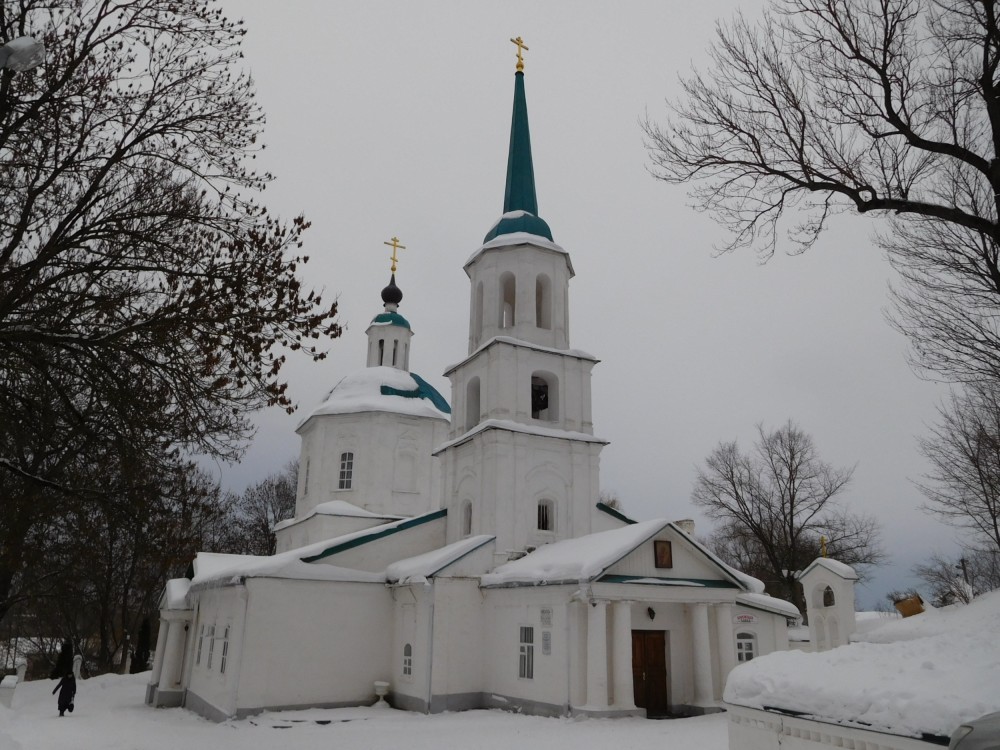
<point x="455" y="555"/>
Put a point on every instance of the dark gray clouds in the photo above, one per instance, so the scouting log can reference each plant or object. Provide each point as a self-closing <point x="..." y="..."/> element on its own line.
<point x="392" y="118"/>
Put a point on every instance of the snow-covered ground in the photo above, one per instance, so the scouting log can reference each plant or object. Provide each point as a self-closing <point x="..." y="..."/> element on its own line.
<point x="110" y="715"/>
<point x="922" y="674"/>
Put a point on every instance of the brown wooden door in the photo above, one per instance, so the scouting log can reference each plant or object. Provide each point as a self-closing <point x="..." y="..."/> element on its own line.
<point x="649" y="671"/>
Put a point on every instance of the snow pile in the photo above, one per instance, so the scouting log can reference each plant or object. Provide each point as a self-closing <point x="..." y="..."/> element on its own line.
<point x="362" y="391"/>
<point x="920" y="675"/>
<point x="572" y="560"/>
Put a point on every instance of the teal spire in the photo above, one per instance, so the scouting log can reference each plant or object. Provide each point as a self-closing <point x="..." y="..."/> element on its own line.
<point x="520" y="204"/>
<point x="520" y="192"/>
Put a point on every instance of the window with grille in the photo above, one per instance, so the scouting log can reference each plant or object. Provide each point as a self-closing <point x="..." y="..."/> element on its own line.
<point x="746" y="647"/>
<point x="407" y="660"/>
<point x="201" y="639"/>
<point x="526" y="654"/>
<point x="346" y="471"/>
<point x="225" y="650"/>
<point x="210" y="636"/>
<point x="546" y="513"/>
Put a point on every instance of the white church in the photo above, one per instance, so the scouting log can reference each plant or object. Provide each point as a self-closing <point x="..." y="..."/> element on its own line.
<point x="457" y="556"/>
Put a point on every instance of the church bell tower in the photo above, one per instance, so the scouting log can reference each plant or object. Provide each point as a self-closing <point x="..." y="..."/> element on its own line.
<point x="521" y="461"/>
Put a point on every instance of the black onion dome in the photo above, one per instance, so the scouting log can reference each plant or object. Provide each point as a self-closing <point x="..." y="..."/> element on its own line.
<point x="392" y="294"/>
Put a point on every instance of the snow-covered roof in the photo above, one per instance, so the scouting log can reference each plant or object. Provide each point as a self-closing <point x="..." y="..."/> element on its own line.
<point x="578" y="353"/>
<point x="175" y="593"/>
<point x="335" y="508"/>
<point x="365" y="390"/>
<point x="519" y="238"/>
<point x="212" y="568"/>
<point x="834" y="566"/>
<point x="574" y="560"/>
<point x="421" y="567"/>
<point x="919" y="675"/>
<point x="527" y="429"/>
<point x="768" y="603"/>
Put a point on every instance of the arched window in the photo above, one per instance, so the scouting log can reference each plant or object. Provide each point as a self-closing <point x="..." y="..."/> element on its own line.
<point x="543" y="302"/>
<point x="508" y="295"/>
<point x="381" y="352"/>
<point x="467" y="518"/>
<point x="407" y="660"/>
<point x="544" y="396"/>
<point x="746" y="647"/>
<point x="477" y="319"/>
<point x="395" y="347"/>
<point x="346" y="471"/>
<point x="305" y="481"/>
<point x="546" y="515"/>
<point x="829" y="599"/>
<point x="472" y="403"/>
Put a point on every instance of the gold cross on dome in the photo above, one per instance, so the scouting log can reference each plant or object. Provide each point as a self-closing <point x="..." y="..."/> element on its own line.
<point x="520" y="59"/>
<point x="394" y="244"/>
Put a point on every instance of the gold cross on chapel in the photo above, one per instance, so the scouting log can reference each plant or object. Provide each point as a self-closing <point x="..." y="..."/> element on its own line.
<point x="394" y="244"/>
<point x="520" y="59"/>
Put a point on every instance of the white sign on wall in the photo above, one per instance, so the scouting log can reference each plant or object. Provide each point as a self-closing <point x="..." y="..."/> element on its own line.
<point x="745" y="619"/>
<point x="546" y="642"/>
<point x="546" y="617"/>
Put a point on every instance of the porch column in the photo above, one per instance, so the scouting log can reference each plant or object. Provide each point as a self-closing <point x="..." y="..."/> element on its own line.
<point x="597" y="655"/>
<point x="621" y="655"/>
<point x="703" y="693"/>
<point x="727" y="644"/>
<point x="161" y="645"/>
<point x="173" y="653"/>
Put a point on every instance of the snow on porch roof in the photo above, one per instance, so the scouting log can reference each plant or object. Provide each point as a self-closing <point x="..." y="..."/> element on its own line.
<point x="419" y="568"/>
<point x="587" y="557"/>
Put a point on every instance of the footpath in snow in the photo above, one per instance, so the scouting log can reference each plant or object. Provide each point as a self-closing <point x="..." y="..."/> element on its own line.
<point x="110" y="715"/>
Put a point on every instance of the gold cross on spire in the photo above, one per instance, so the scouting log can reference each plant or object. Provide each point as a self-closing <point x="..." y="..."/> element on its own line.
<point x="520" y="46"/>
<point x="394" y="244"/>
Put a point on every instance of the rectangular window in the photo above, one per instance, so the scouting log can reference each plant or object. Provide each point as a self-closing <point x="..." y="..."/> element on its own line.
<point x="346" y="471"/>
<point x="201" y="639"/>
<point x="210" y="635"/>
<point x="526" y="654"/>
<point x="746" y="646"/>
<point x="664" y="554"/>
<point x="225" y="650"/>
<point x="545" y="516"/>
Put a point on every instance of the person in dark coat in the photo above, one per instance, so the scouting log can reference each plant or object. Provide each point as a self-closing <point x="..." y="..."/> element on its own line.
<point x="67" y="691"/>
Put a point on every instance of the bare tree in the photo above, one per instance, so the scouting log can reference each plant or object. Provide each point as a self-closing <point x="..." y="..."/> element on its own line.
<point x="963" y="486"/>
<point x="147" y="298"/>
<point x="773" y="505"/>
<point x="260" y="507"/>
<point x="888" y="107"/>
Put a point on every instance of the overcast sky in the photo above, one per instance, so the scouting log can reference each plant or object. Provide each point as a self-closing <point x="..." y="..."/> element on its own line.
<point x="392" y="118"/>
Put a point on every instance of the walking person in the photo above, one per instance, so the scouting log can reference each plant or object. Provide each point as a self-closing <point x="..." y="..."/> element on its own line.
<point x="67" y="692"/>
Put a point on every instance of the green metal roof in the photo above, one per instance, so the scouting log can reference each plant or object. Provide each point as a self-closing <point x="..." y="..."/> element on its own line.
<point x="519" y="194"/>
<point x="393" y="319"/>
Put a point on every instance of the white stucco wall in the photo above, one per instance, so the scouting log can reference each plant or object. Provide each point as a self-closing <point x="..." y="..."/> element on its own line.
<point x="314" y="643"/>
<point x="378" y="440"/>
<point x="220" y="608"/>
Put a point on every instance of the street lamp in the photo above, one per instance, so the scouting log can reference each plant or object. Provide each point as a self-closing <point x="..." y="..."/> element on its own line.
<point x="21" y="54"/>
